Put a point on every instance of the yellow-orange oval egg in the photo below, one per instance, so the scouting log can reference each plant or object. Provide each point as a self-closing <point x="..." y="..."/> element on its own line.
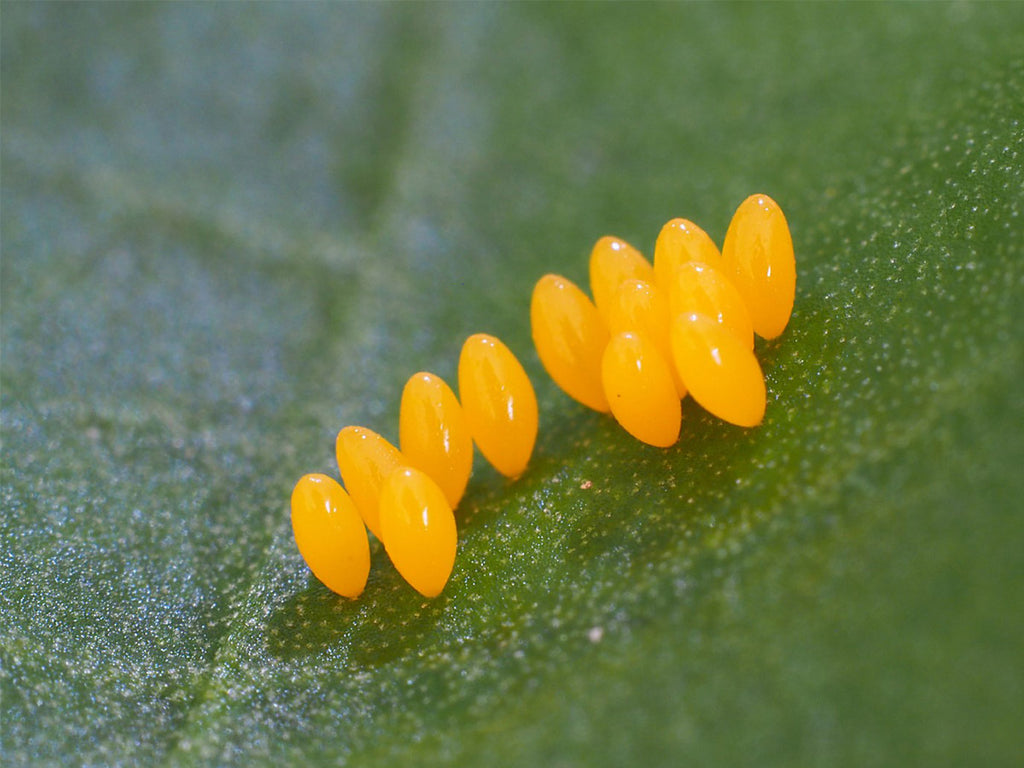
<point x="570" y="337"/>
<point x="365" y="459"/>
<point x="499" y="403"/>
<point x="680" y="241"/>
<point x="330" y="534"/>
<point x="641" y="307"/>
<point x="720" y="371"/>
<point x="419" y="530"/>
<point x="640" y="388"/>
<point x="758" y="257"/>
<point x="433" y="434"/>
<point x="612" y="261"/>
<point x="699" y="287"/>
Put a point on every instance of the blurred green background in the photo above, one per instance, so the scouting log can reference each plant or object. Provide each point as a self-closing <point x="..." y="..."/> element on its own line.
<point x="230" y="230"/>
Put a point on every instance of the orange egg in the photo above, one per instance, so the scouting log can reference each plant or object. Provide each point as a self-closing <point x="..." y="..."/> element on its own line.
<point x="680" y="241"/>
<point x="499" y="403"/>
<point x="330" y="534"/>
<point x="641" y="307"/>
<point x="570" y="337"/>
<point x="720" y="371"/>
<point x="419" y="530"/>
<point x="640" y="388"/>
<point x="365" y="459"/>
<point x="699" y="287"/>
<point x="758" y="257"/>
<point x="434" y="435"/>
<point x="613" y="261"/>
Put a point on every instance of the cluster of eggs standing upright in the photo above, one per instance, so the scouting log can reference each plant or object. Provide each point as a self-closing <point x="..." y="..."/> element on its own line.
<point x="652" y="335"/>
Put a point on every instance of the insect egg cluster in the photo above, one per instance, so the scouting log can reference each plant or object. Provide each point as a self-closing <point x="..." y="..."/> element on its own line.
<point x="653" y="334"/>
<point x="684" y="325"/>
<point x="406" y="496"/>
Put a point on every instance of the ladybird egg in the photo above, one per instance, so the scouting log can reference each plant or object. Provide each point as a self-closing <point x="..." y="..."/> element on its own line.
<point x="640" y="306"/>
<point x="419" y="530"/>
<point x="680" y="241"/>
<point x="365" y="459"/>
<point x="611" y="262"/>
<point x="640" y="388"/>
<point x="699" y="287"/>
<point x="499" y="403"/>
<point x="758" y="257"/>
<point x="433" y="434"/>
<point x="720" y="371"/>
<point x="570" y="337"/>
<point x="330" y="534"/>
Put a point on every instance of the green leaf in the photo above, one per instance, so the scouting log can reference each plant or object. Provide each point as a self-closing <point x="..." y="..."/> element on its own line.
<point x="229" y="231"/>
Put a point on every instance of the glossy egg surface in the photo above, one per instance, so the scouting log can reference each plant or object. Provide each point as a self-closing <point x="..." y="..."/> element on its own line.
<point x="612" y="261"/>
<point x="433" y="434"/>
<point x="680" y="241"/>
<point x="330" y="534"/>
<point x="701" y="288"/>
<point x="640" y="388"/>
<point x="720" y="371"/>
<point x="570" y="337"/>
<point x="642" y="307"/>
<point x="758" y="257"/>
<point x="419" y="530"/>
<point x="499" y="403"/>
<point x="365" y="459"/>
